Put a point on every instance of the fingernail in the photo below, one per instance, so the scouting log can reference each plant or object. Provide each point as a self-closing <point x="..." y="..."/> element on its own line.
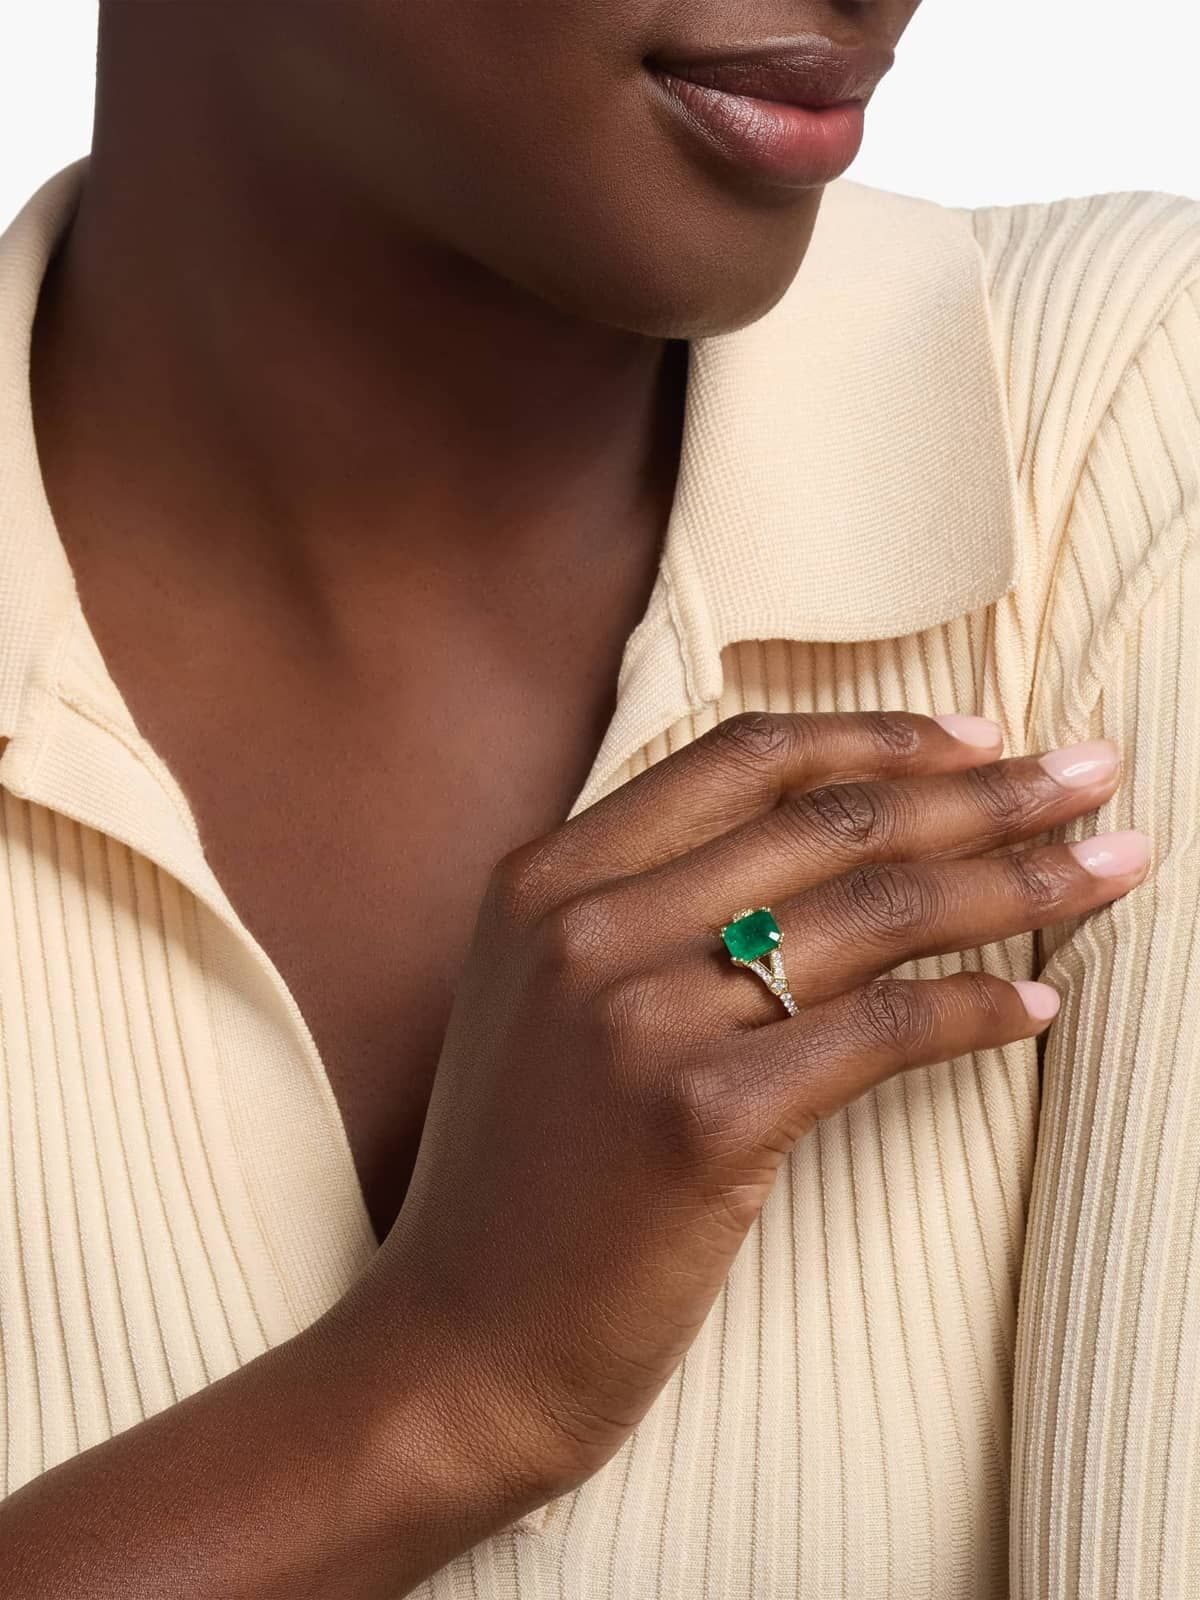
<point x="1039" y="999"/>
<point x="979" y="731"/>
<point x="1113" y="855"/>
<point x="1080" y="766"/>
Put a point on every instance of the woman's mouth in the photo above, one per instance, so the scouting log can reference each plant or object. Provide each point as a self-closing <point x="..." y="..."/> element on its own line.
<point x="792" y="113"/>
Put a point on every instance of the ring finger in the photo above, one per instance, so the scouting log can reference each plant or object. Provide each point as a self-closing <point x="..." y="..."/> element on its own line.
<point x="810" y="836"/>
<point x="867" y="922"/>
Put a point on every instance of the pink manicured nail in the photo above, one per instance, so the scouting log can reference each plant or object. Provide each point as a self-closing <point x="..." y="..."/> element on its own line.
<point x="1039" y="999"/>
<point x="979" y="731"/>
<point x="1113" y="855"/>
<point x="1080" y="766"/>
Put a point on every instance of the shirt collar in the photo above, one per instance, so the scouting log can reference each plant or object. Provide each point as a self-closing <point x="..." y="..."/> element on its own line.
<point x="846" y="473"/>
<point x="36" y="588"/>
<point x="848" y="469"/>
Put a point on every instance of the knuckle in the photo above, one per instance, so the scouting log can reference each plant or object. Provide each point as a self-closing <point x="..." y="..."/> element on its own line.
<point x="521" y="884"/>
<point x="978" y="994"/>
<point x="1001" y="796"/>
<point x="754" y="738"/>
<point x="893" y="1017"/>
<point x="895" y="732"/>
<point x="576" y="936"/>
<point x="1038" y="886"/>
<point x="845" y="816"/>
<point x="889" y="902"/>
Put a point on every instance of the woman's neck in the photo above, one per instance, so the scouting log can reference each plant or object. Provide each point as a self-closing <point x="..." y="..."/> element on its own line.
<point x="236" y="340"/>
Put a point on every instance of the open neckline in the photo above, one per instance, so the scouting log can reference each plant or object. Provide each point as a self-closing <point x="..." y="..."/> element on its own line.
<point x="87" y="687"/>
<point x="80" y="748"/>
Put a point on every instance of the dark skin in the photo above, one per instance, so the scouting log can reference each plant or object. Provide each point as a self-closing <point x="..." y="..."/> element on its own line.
<point x="266" y="502"/>
<point x="344" y="400"/>
<point x="271" y="469"/>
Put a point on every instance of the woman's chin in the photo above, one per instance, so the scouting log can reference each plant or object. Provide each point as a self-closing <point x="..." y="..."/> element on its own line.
<point x="697" y="281"/>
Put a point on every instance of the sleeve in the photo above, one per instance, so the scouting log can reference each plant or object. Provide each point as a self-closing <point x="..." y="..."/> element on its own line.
<point x="1106" y="1442"/>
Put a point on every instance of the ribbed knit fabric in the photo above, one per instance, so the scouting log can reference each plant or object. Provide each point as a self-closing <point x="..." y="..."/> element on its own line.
<point x="957" y="1357"/>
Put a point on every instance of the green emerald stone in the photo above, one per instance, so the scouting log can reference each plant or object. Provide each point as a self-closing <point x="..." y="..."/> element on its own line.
<point x="750" y="936"/>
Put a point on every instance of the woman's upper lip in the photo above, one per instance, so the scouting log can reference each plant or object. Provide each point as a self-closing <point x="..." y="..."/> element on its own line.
<point x="807" y="70"/>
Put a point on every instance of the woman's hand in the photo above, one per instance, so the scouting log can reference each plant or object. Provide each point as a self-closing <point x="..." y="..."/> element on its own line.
<point x="615" y="1097"/>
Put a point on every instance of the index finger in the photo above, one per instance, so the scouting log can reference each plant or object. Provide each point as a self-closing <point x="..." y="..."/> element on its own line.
<point x="741" y="769"/>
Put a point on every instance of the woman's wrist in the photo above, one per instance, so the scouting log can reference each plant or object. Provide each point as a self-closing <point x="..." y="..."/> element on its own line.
<point x="431" y="1456"/>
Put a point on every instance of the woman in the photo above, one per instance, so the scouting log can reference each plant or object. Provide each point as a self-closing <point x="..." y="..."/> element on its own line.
<point x="471" y="467"/>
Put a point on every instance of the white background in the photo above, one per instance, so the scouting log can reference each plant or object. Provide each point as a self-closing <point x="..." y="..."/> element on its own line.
<point x="990" y="102"/>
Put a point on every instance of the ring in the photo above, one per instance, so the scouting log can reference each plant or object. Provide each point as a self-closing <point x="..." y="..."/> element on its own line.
<point x="749" y="936"/>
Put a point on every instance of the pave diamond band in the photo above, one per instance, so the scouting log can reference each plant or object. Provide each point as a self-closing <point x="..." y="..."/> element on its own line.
<point x="752" y="938"/>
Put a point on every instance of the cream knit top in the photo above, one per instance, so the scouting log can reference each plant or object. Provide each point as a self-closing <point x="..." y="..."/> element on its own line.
<point x="956" y="468"/>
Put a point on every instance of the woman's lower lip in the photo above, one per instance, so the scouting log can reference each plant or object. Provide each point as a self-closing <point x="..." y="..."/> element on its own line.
<point x="803" y="146"/>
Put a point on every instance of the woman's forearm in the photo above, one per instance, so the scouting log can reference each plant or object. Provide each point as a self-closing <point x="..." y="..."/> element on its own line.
<point x="328" y="1467"/>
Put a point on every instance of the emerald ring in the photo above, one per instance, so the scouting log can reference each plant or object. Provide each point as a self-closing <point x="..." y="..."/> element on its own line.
<point x="752" y="939"/>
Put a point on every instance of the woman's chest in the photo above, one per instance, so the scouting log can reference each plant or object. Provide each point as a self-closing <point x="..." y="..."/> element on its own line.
<point x="361" y="882"/>
<point x="369" y="927"/>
